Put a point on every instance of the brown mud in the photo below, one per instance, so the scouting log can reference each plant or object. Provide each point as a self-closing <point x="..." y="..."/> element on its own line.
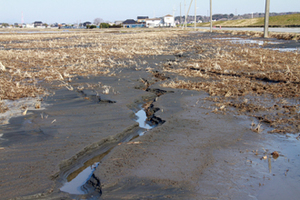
<point x="215" y="104"/>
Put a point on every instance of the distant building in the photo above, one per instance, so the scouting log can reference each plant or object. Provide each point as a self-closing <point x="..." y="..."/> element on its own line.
<point x="129" y="21"/>
<point x="29" y="26"/>
<point x="153" y="23"/>
<point x="38" y="24"/>
<point x="55" y="25"/>
<point x="142" y="19"/>
<point x="169" y="21"/>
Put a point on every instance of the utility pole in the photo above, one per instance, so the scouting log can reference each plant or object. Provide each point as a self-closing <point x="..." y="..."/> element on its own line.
<point x="174" y="15"/>
<point x="266" y="31"/>
<point x="185" y="13"/>
<point x="22" y="21"/>
<point x="210" y="15"/>
<point x="180" y="15"/>
<point x="189" y="9"/>
<point x="195" y="14"/>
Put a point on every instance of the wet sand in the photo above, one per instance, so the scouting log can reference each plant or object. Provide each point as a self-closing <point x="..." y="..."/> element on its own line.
<point x="194" y="154"/>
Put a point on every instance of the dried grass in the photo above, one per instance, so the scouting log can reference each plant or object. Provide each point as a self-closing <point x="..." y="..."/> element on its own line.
<point x="26" y="59"/>
<point x="237" y="70"/>
<point x="3" y="108"/>
<point x="229" y="72"/>
<point x="224" y="69"/>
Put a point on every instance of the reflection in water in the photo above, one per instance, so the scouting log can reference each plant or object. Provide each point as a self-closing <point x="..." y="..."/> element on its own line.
<point x="81" y="176"/>
<point x="74" y="186"/>
<point x="142" y="119"/>
<point x="79" y="181"/>
<point x="269" y="162"/>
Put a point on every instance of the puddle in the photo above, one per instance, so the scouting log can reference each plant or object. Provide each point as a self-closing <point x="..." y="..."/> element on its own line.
<point x="281" y="173"/>
<point x="142" y="120"/>
<point x="260" y="43"/>
<point x="247" y="41"/>
<point x="244" y="41"/>
<point x="76" y="181"/>
<point x="75" y="185"/>
<point x="286" y="49"/>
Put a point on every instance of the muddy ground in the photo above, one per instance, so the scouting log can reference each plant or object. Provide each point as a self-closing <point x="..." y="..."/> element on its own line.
<point x="205" y="145"/>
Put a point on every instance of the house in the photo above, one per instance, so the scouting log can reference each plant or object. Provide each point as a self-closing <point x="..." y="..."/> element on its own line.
<point x="152" y="23"/>
<point x="142" y="19"/>
<point x="29" y="26"/>
<point x="54" y="25"/>
<point x="129" y="21"/>
<point x="169" y="21"/>
<point x="38" y="24"/>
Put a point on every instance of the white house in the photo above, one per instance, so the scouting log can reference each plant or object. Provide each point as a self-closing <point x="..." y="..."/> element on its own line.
<point x="169" y="21"/>
<point x="29" y="26"/>
<point x="155" y="22"/>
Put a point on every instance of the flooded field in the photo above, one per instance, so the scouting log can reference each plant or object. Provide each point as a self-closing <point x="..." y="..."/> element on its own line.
<point x="137" y="114"/>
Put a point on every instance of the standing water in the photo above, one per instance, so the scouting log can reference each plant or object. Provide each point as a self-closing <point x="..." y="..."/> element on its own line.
<point x="76" y="180"/>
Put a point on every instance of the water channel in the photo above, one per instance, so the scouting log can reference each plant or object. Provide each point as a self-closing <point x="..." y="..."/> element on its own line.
<point x="76" y="180"/>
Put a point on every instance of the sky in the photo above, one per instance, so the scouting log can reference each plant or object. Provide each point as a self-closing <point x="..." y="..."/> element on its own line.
<point x="76" y="11"/>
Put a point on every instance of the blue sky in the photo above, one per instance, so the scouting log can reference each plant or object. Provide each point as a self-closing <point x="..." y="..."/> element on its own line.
<point x="72" y="11"/>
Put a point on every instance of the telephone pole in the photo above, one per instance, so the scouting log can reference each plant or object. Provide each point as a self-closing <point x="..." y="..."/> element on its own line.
<point x="195" y="14"/>
<point x="22" y="21"/>
<point x="266" y="29"/>
<point x="210" y="15"/>
<point x="180" y="15"/>
<point x="189" y="9"/>
<point x="184" y="13"/>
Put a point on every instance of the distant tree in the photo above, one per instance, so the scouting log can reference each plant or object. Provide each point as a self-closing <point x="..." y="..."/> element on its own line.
<point x="98" y="21"/>
<point x="231" y="15"/>
<point x="104" y="25"/>
<point x="5" y="24"/>
<point x="91" y="26"/>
